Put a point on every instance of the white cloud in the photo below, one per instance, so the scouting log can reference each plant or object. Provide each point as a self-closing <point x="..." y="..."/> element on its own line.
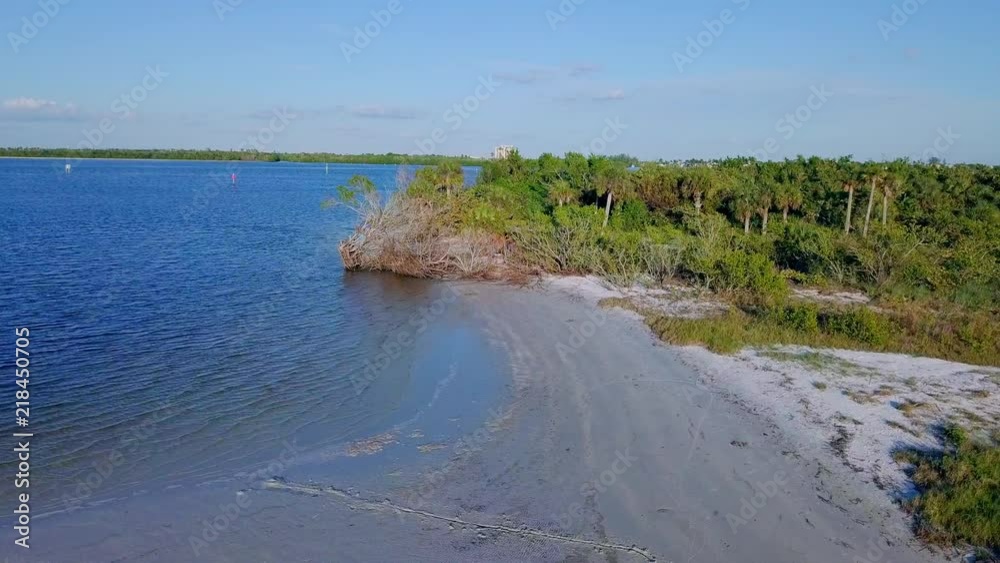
<point x="383" y="112"/>
<point x="524" y="77"/>
<point x="584" y="69"/>
<point x="29" y="104"/>
<point x="614" y="95"/>
<point x="25" y="108"/>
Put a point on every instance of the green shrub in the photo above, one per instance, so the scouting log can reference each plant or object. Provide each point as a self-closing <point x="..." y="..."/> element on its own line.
<point x="576" y="232"/>
<point x="663" y="260"/>
<point x="519" y="201"/>
<point x="623" y="256"/>
<point x="804" y="248"/>
<point x="631" y="216"/>
<point x="816" y="280"/>
<point x="711" y="240"/>
<point x="976" y="296"/>
<point x="958" y="501"/>
<point x="883" y="256"/>
<point x="800" y="317"/>
<point x="751" y="272"/>
<point x="857" y="323"/>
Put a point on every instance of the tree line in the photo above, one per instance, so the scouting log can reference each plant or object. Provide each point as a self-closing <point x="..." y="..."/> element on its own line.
<point x="912" y="229"/>
<point x="942" y="201"/>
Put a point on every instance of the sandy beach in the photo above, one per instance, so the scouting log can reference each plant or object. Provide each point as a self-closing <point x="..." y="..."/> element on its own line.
<point x="613" y="447"/>
<point x="624" y="441"/>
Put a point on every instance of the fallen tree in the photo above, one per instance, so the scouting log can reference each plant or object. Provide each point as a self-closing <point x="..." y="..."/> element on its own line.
<point x="408" y="236"/>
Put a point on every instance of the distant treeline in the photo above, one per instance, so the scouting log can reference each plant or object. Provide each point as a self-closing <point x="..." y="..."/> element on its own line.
<point x="248" y="156"/>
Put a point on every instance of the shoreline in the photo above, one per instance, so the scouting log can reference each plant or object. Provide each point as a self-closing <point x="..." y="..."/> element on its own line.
<point x="622" y="440"/>
<point x="611" y="446"/>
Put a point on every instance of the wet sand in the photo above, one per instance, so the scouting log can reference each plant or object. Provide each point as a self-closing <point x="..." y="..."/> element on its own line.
<point x="611" y="448"/>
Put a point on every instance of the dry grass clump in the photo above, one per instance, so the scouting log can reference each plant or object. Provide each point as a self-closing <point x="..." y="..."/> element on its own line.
<point x="406" y="236"/>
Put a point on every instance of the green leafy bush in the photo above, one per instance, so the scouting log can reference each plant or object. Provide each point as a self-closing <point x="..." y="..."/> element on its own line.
<point x="624" y="256"/>
<point x="711" y="240"/>
<point x="752" y="272"/>
<point x="801" y="317"/>
<point x="576" y="231"/>
<point x="804" y="248"/>
<point x="881" y="257"/>
<point x="857" y="323"/>
<point x="631" y="216"/>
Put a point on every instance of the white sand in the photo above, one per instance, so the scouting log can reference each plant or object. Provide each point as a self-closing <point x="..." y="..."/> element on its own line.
<point x="835" y="403"/>
<point x="853" y="399"/>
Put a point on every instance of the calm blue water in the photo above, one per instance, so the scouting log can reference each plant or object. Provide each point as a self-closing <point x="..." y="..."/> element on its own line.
<point x="185" y="329"/>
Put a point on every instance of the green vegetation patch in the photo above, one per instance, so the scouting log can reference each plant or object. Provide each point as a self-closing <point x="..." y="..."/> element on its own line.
<point x="855" y="328"/>
<point x="959" y="489"/>
<point x="819" y="361"/>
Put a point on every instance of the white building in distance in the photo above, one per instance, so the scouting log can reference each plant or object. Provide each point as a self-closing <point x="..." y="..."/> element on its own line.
<point x="503" y="151"/>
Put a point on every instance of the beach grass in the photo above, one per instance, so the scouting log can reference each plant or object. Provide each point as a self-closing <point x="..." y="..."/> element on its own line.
<point x="959" y="501"/>
<point x="969" y="337"/>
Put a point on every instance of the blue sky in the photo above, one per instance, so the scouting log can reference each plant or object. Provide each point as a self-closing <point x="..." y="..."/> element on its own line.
<point x="561" y="71"/>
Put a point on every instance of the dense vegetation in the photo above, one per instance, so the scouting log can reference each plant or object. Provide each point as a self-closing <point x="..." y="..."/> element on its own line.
<point x="905" y="230"/>
<point x="241" y="155"/>
<point x="923" y="239"/>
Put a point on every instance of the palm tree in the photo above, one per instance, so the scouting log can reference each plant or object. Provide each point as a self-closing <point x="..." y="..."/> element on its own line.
<point x="893" y="186"/>
<point x="450" y="176"/>
<point x="888" y="191"/>
<point x="765" y="178"/>
<point x="610" y="177"/>
<point x="657" y="186"/>
<point x="764" y="201"/>
<point x="789" y="191"/>
<point x="701" y="184"/>
<point x="744" y="203"/>
<point x="874" y="174"/>
<point x="549" y="168"/>
<point x="577" y="171"/>
<point x="849" y="181"/>
<point x="560" y="192"/>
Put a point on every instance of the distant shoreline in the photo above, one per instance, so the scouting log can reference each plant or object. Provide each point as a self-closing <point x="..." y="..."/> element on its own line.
<point x="233" y="156"/>
<point x="209" y="160"/>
